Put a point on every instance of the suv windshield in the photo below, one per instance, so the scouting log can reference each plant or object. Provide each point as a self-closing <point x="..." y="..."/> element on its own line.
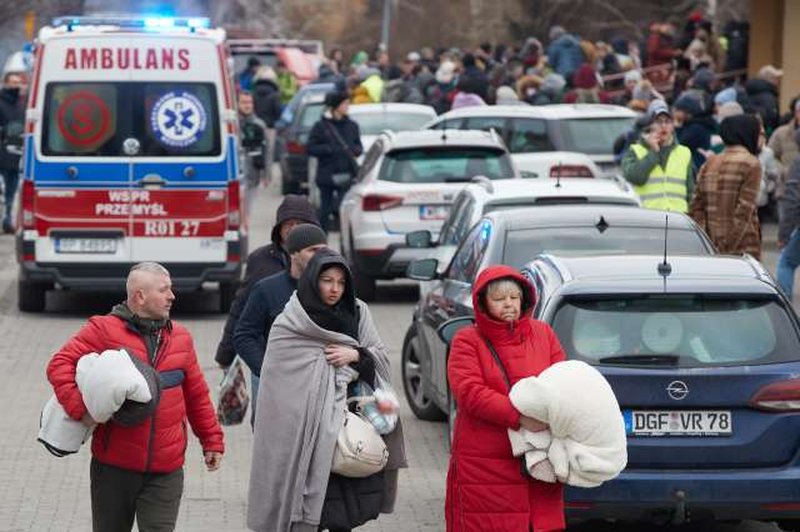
<point x="441" y="165"/>
<point x="676" y="330"/>
<point x="593" y="136"/>
<point x="94" y="119"/>
<point x="524" y="244"/>
<point x="374" y="123"/>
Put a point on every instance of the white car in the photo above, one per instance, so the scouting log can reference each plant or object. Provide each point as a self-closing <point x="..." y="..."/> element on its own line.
<point x="484" y="196"/>
<point x="584" y="128"/>
<point x="556" y="164"/>
<point x="407" y="183"/>
<point x="374" y="118"/>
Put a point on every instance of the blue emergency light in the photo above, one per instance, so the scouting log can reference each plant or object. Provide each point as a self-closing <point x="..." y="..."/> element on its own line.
<point x="133" y="21"/>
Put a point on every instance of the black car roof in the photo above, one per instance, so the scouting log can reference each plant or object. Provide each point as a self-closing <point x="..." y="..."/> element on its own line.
<point x="639" y="274"/>
<point x="586" y="215"/>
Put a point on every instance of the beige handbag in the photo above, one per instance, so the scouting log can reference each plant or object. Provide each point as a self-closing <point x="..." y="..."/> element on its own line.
<point x="360" y="450"/>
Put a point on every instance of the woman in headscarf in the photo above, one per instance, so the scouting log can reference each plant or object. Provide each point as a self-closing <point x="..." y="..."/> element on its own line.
<point x="486" y="489"/>
<point x="322" y="343"/>
<point x="724" y="203"/>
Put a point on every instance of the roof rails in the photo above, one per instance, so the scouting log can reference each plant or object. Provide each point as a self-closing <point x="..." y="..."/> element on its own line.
<point x="133" y="21"/>
<point x="557" y="264"/>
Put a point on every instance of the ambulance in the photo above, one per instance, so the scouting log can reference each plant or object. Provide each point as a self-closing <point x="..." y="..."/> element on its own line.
<point x="130" y="155"/>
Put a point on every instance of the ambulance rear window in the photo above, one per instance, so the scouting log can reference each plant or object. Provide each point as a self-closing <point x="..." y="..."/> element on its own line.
<point x="95" y="119"/>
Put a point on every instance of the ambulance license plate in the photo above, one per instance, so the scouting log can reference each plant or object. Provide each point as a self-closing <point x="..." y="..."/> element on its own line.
<point x="86" y="245"/>
<point x="678" y="422"/>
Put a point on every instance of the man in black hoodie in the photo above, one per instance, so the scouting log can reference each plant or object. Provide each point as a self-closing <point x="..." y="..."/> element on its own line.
<point x="12" y="123"/>
<point x="264" y="262"/>
<point x="763" y="93"/>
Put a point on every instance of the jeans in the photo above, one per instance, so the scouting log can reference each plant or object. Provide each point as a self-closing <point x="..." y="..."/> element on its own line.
<point x="788" y="261"/>
<point x="120" y="495"/>
<point x="10" y="182"/>
<point x="330" y="196"/>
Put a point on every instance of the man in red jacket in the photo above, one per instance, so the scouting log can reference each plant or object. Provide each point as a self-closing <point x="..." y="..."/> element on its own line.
<point x="137" y="470"/>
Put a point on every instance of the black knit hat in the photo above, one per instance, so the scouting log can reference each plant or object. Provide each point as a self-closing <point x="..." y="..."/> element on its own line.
<point x="293" y="207"/>
<point x="334" y="99"/>
<point x="303" y="236"/>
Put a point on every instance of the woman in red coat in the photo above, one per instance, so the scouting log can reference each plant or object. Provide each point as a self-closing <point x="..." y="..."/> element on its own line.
<point x="486" y="490"/>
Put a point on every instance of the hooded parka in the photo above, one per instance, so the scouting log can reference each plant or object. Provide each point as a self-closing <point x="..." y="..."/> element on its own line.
<point x="486" y="489"/>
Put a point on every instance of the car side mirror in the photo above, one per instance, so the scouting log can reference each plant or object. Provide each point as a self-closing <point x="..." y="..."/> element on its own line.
<point x="448" y="329"/>
<point x="419" y="239"/>
<point x="423" y="269"/>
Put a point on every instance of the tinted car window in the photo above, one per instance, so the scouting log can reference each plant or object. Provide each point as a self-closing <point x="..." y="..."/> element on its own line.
<point x="453" y="123"/>
<point x="592" y="135"/>
<point x="522" y="245"/>
<point x="677" y="330"/>
<point x="94" y="119"/>
<point x="467" y="260"/>
<point x="310" y="115"/>
<point x="528" y="135"/>
<point x="487" y="123"/>
<point x="374" y="123"/>
<point x="443" y="165"/>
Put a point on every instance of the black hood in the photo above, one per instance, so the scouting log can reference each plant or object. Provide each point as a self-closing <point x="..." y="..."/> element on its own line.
<point x="741" y="130"/>
<point x="757" y="86"/>
<point x="293" y="206"/>
<point x="343" y="317"/>
<point x="10" y="95"/>
<point x="705" y="121"/>
<point x="265" y="86"/>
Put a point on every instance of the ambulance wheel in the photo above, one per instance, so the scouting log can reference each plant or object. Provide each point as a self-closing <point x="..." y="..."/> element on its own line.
<point x="227" y="293"/>
<point x="31" y="296"/>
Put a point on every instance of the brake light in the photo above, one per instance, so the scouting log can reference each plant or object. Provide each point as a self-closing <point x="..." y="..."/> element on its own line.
<point x="570" y="171"/>
<point x="295" y="148"/>
<point x="380" y="202"/>
<point x="782" y="396"/>
<point x="27" y="220"/>
<point x="234" y="205"/>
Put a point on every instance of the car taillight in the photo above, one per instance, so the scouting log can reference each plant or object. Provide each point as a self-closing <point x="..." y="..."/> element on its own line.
<point x="570" y="171"/>
<point x="380" y="202"/>
<point x="295" y="148"/>
<point x="27" y="220"/>
<point x="234" y="205"/>
<point x="782" y="396"/>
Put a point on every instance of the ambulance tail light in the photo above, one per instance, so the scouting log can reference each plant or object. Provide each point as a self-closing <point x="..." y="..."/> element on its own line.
<point x="781" y="396"/>
<point x="27" y="219"/>
<point x="234" y="205"/>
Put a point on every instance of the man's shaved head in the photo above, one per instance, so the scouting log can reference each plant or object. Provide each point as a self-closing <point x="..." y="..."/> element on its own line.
<point x="149" y="289"/>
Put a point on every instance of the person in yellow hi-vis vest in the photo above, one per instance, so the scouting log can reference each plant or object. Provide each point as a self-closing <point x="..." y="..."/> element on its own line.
<point x="659" y="168"/>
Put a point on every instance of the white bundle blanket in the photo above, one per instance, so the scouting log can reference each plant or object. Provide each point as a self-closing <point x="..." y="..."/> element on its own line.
<point x="586" y="443"/>
<point x="107" y="380"/>
<point x="60" y="432"/>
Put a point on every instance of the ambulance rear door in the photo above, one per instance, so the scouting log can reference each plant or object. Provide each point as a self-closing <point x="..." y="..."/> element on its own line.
<point x="79" y="173"/>
<point x="185" y="166"/>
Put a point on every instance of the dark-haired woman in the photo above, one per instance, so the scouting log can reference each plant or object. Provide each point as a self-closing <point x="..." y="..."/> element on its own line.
<point x="724" y="204"/>
<point x="322" y="343"/>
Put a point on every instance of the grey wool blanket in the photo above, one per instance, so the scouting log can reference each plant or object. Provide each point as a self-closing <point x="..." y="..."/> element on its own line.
<point x="300" y="410"/>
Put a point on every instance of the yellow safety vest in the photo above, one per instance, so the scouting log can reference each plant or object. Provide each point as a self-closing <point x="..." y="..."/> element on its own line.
<point x="666" y="188"/>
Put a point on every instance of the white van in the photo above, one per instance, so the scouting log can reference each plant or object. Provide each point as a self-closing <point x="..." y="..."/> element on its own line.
<point x="131" y="154"/>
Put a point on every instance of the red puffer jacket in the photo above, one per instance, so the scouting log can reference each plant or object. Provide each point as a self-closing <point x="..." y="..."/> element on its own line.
<point x="158" y="445"/>
<point x="485" y="486"/>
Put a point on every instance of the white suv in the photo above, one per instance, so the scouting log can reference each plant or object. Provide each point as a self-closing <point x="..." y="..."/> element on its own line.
<point x="584" y="128"/>
<point x="407" y="183"/>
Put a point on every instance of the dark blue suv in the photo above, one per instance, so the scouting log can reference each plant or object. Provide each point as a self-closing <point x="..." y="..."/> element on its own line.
<point x="704" y="357"/>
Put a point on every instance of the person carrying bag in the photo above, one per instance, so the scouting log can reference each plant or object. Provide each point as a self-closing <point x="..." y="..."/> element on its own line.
<point x="335" y="140"/>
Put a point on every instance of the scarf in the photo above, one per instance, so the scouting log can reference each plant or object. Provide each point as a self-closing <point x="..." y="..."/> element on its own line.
<point x="341" y="317"/>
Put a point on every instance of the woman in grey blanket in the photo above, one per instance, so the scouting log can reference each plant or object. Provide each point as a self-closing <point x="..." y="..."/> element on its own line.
<point x="322" y="343"/>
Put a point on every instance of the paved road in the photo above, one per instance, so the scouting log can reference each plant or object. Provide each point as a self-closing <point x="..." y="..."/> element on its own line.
<point x="42" y="493"/>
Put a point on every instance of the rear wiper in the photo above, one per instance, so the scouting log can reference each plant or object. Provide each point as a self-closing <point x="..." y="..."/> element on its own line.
<point x="643" y="360"/>
<point x="457" y="179"/>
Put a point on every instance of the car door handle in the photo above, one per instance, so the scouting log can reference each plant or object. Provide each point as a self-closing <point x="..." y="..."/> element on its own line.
<point x="152" y="181"/>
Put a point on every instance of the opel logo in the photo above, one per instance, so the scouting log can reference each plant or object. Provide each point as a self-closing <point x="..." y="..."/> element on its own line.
<point x="677" y="390"/>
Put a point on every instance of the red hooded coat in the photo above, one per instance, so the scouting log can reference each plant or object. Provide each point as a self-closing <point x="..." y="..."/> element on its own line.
<point x="486" y="490"/>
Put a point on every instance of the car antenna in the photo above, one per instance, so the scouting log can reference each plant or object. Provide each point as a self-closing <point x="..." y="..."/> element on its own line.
<point x="665" y="268"/>
<point x="444" y="130"/>
<point x="558" y="176"/>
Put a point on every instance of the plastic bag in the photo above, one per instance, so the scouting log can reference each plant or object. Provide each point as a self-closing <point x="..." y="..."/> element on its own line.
<point x="233" y="396"/>
<point x="379" y="406"/>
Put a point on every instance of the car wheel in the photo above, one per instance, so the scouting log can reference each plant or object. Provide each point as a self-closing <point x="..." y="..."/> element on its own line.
<point x="789" y="525"/>
<point x="227" y="293"/>
<point x="31" y="296"/>
<point x="421" y="405"/>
